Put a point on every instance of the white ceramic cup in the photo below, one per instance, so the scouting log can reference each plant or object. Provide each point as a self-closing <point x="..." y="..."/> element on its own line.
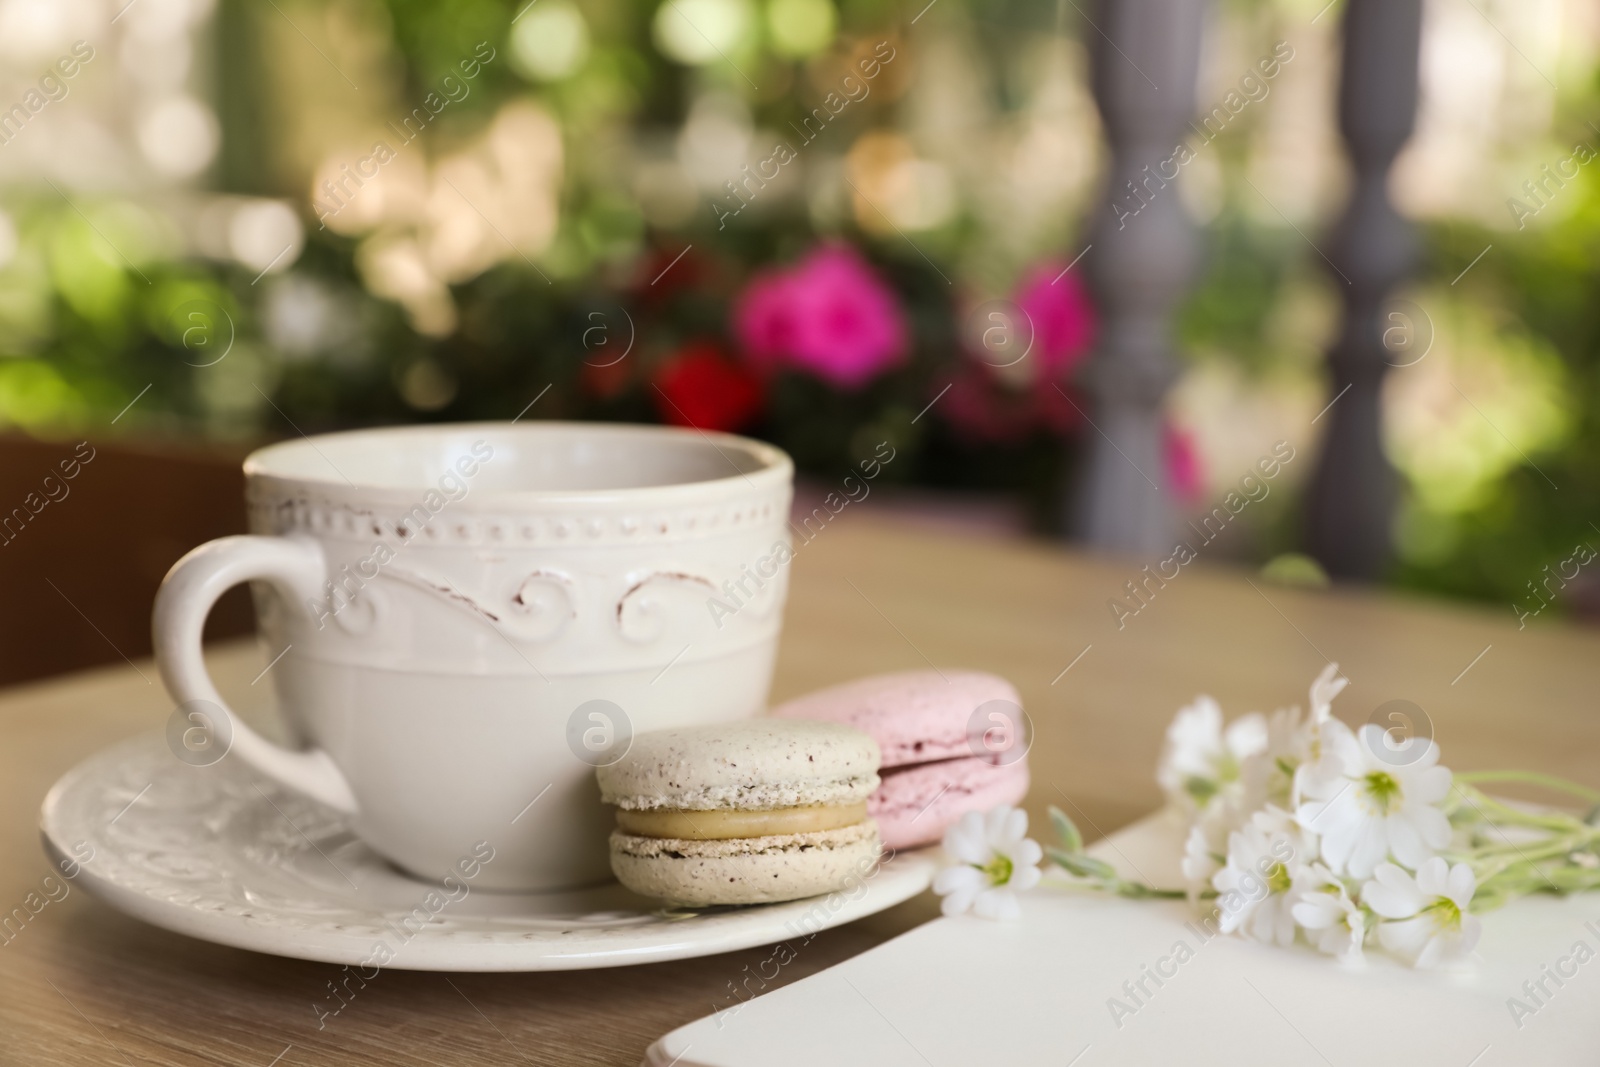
<point x="454" y="599"/>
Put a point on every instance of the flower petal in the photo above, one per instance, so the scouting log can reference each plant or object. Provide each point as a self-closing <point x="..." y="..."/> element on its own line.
<point x="1246" y="735"/>
<point x="1407" y="938"/>
<point x="994" y="823"/>
<point x="1194" y="740"/>
<point x="1317" y="911"/>
<point x="1420" y="756"/>
<point x="1461" y="886"/>
<point x="1429" y="786"/>
<point x="956" y="879"/>
<point x="957" y="902"/>
<point x="1431" y="952"/>
<point x="1279" y="921"/>
<point x="1370" y="848"/>
<point x="998" y="903"/>
<point x="1310" y="811"/>
<point x="1014" y="829"/>
<point x="1392" y="893"/>
<point x="1341" y="748"/>
<point x="1234" y="917"/>
<point x="1353" y="956"/>
<point x="1027" y="853"/>
<point x="1433" y="825"/>
<point x="1405" y="841"/>
<point x="1327" y="686"/>
<point x="965" y="842"/>
<point x="1025" y="878"/>
<point x="1338" y="839"/>
<point x="1433" y="877"/>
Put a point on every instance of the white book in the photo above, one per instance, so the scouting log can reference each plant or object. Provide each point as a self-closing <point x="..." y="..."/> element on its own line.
<point x="1083" y="980"/>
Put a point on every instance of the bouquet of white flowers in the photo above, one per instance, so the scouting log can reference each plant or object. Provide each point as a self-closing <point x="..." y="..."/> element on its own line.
<point x="1296" y="823"/>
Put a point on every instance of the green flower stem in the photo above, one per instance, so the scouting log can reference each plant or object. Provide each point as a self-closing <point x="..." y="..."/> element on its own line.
<point x="1505" y="815"/>
<point x="1523" y="880"/>
<point x="1533" y="850"/>
<point x="1122" y="887"/>
<point x="1498" y="813"/>
<point x="1549" y="781"/>
<point x="1083" y="886"/>
<point x="1485" y="867"/>
<point x="1140" y="891"/>
<point x="1507" y="871"/>
<point x="1523" y="860"/>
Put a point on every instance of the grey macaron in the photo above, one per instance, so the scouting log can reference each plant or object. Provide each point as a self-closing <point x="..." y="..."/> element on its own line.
<point x="684" y="793"/>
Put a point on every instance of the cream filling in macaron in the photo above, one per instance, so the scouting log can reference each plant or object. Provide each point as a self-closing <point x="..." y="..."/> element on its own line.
<point x="724" y="825"/>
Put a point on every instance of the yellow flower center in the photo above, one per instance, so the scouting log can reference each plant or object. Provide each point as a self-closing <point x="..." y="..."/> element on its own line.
<point x="1382" y="790"/>
<point x="1444" y="913"/>
<point x="997" y="870"/>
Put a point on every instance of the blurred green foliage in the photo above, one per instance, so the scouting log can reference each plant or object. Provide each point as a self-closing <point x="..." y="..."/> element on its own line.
<point x="1543" y="280"/>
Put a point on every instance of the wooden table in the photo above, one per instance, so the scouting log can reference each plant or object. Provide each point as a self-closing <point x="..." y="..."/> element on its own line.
<point x="84" y="985"/>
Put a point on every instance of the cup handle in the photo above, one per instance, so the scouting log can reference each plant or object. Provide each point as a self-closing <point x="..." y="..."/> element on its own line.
<point x="185" y="599"/>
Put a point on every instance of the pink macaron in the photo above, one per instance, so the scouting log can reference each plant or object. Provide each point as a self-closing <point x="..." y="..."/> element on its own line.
<point x="936" y="764"/>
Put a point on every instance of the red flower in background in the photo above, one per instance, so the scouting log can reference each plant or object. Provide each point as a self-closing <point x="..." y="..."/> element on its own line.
<point x="605" y="381"/>
<point x="983" y="411"/>
<point x="830" y="314"/>
<point x="662" y="274"/>
<point x="700" y="387"/>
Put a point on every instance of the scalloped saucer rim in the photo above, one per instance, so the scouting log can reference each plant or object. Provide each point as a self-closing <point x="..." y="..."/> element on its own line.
<point x="221" y="854"/>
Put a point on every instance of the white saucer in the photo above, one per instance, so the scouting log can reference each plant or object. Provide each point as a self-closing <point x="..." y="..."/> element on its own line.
<point x="221" y="854"/>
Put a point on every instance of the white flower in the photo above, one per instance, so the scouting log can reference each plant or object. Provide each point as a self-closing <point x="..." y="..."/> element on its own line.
<point x="1332" y="921"/>
<point x="1427" y="915"/>
<point x="1295" y="741"/>
<point x="1205" y="849"/>
<point x="1364" y="808"/>
<point x="1269" y="776"/>
<point x="1255" y="890"/>
<point x="1202" y="854"/>
<point x="991" y="860"/>
<point x="1327" y="685"/>
<point x="1201" y="762"/>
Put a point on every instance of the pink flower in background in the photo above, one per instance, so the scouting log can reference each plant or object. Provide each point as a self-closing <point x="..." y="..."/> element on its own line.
<point x="1063" y="318"/>
<point x="1000" y="405"/>
<point x="764" y="318"/>
<point x="1183" y="464"/>
<point x="830" y="314"/>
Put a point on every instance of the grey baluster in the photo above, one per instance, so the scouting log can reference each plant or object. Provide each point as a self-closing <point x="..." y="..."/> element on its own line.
<point x="1145" y="60"/>
<point x="1350" y="504"/>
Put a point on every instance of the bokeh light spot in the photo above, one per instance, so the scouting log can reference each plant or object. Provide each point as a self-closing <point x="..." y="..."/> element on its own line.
<point x="550" y="42"/>
<point x="801" y="27"/>
<point x="700" y="31"/>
